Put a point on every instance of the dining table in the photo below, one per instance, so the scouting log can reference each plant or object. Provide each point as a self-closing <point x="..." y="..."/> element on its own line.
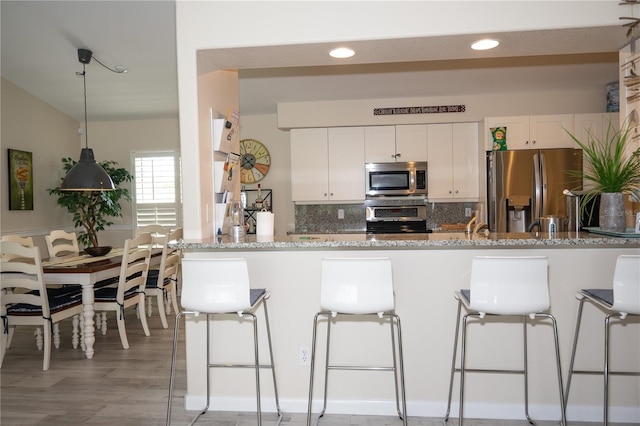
<point x="85" y="271"/>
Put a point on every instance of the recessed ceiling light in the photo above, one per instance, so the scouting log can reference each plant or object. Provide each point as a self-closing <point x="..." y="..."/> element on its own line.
<point x="341" y="53"/>
<point x="485" y="44"/>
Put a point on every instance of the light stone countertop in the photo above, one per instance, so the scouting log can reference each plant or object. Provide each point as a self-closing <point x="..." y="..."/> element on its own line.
<point x="444" y="240"/>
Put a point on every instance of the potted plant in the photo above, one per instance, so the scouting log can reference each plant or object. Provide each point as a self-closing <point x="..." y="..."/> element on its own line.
<point x="92" y="209"/>
<point x="610" y="172"/>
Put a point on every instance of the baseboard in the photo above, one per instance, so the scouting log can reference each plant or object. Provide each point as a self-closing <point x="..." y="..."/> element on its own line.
<point x="585" y="413"/>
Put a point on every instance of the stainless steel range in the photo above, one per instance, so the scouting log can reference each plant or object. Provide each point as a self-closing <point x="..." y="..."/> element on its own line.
<point x="393" y="216"/>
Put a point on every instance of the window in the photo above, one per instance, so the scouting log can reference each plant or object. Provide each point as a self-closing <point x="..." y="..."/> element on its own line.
<point x="157" y="196"/>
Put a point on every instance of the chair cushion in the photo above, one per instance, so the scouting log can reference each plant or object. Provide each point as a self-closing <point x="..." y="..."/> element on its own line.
<point x="72" y="291"/>
<point x="152" y="278"/>
<point x="106" y="282"/>
<point x="255" y="293"/>
<point x="601" y="294"/>
<point x="55" y="305"/>
<point x="108" y="294"/>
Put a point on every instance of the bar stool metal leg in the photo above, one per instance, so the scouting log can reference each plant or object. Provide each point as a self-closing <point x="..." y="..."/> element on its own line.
<point x="210" y="365"/>
<point x="453" y="362"/>
<point x="400" y="393"/>
<point x="462" y="370"/>
<point x="271" y="363"/>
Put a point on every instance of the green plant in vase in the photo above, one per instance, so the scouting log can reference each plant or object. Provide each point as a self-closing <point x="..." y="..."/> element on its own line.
<point x="610" y="171"/>
<point x="92" y="210"/>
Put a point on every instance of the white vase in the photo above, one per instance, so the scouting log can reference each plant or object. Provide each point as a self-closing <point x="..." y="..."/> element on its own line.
<point x="612" y="214"/>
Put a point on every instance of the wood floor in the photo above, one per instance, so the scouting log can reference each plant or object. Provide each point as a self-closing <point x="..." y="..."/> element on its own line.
<point x="129" y="387"/>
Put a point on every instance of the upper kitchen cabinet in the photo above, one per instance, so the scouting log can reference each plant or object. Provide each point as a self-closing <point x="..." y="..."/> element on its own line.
<point x="389" y="144"/>
<point x="597" y="124"/>
<point x="532" y="132"/>
<point x="411" y="142"/>
<point x="453" y="170"/>
<point x="327" y="164"/>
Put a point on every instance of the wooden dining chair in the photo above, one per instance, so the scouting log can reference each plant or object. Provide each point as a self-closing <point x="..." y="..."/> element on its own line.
<point x="161" y="282"/>
<point x="60" y="242"/>
<point x="29" y="303"/>
<point x="23" y="241"/>
<point x="131" y="286"/>
<point x="158" y="233"/>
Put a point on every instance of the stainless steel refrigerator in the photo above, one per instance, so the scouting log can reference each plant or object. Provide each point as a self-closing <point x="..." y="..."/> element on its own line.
<point x="523" y="185"/>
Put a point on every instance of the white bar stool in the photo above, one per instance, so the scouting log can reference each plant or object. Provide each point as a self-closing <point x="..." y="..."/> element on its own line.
<point x="504" y="286"/>
<point x="358" y="286"/>
<point x="221" y="286"/>
<point x="618" y="303"/>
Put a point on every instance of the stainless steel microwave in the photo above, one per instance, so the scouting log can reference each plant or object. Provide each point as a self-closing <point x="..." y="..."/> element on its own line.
<point x="396" y="179"/>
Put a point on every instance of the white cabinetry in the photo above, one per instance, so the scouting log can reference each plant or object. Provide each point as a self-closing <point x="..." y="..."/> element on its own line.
<point x="597" y="124"/>
<point x="411" y="142"/>
<point x="380" y="144"/>
<point x="533" y="132"/>
<point x="388" y="144"/>
<point x="453" y="151"/>
<point x="327" y="164"/>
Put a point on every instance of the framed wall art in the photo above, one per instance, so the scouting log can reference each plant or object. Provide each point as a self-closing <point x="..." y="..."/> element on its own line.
<point x="20" y="180"/>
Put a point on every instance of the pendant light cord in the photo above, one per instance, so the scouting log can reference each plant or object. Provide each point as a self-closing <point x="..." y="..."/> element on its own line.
<point x="86" y="123"/>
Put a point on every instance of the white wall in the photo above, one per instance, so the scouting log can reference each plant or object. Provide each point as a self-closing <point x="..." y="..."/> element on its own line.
<point x="484" y="103"/>
<point x="29" y="124"/>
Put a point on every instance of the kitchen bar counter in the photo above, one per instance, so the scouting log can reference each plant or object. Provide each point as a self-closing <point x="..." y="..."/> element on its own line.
<point x="427" y="269"/>
<point x="441" y="240"/>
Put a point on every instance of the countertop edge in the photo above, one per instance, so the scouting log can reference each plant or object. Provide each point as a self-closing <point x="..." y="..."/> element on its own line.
<point x="388" y="242"/>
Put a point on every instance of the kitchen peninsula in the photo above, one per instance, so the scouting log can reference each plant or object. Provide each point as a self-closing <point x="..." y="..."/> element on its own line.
<point x="427" y="269"/>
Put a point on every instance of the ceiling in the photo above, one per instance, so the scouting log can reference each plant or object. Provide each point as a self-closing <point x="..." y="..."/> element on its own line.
<point x="39" y="42"/>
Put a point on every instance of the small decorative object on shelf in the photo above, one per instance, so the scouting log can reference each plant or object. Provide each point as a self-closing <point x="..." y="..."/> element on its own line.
<point x="257" y="200"/>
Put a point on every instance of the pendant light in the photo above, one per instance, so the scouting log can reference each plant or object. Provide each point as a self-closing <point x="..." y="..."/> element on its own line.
<point x="86" y="174"/>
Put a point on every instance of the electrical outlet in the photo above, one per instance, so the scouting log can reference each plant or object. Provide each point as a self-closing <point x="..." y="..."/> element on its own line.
<point x="304" y="356"/>
<point x="340" y="213"/>
<point x="467" y="211"/>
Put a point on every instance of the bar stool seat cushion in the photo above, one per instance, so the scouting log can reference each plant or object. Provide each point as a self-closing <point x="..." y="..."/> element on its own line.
<point x="601" y="294"/>
<point x="255" y="294"/>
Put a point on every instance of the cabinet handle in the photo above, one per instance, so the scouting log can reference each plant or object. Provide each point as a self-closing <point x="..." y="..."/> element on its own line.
<point x="450" y="192"/>
<point x="533" y="142"/>
<point x="325" y="194"/>
<point x="398" y="155"/>
<point x="456" y="191"/>
<point x="526" y="142"/>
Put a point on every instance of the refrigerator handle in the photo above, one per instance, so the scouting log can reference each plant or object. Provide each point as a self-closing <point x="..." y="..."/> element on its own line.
<point x="543" y="185"/>
<point x="536" y="208"/>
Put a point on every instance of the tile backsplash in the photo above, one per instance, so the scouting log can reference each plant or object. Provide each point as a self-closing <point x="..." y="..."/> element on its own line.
<point x="323" y="218"/>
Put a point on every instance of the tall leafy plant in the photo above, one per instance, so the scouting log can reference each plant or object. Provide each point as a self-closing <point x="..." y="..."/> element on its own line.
<point x="609" y="166"/>
<point x="92" y="210"/>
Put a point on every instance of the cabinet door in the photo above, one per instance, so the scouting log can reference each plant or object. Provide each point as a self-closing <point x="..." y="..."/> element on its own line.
<point x="586" y="126"/>
<point x="517" y="131"/>
<point x="346" y="164"/>
<point x="411" y="142"/>
<point x="309" y="165"/>
<point x="440" y="154"/>
<point x="380" y="144"/>
<point x="466" y="180"/>
<point x="550" y="131"/>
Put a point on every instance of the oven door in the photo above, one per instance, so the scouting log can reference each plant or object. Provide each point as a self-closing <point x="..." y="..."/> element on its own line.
<point x="396" y="219"/>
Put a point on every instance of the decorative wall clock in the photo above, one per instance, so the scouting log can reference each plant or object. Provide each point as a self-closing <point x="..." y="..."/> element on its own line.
<point x="255" y="161"/>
